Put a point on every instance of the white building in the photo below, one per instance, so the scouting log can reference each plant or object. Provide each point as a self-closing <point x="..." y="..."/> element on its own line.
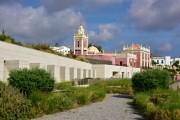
<point x="62" y="49"/>
<point x="163" y="61"/>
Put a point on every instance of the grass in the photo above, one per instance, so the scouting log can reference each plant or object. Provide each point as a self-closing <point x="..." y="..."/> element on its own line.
<point x="71" y="97"/>
<point x="63" y="85"/>
<point x="159" y="103"/>
<point x="121" y="86"/>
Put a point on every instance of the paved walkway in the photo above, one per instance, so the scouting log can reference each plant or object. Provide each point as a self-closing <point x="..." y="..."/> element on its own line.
<point x="114" y="107"/>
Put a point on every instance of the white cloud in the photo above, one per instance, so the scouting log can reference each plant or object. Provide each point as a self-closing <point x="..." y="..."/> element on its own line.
<point x="105" y="32"/>
<point x="155" y="14"/>
<point x="37" y="24"/>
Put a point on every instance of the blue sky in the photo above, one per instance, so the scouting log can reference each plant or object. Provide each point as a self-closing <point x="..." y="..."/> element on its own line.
<point x="109" y="23"/>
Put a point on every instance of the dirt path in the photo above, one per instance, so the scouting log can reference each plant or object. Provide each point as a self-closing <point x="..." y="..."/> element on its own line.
<point x="114" y="107"/>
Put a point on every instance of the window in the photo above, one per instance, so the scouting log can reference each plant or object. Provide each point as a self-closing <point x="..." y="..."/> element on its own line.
<point x="162" y="61"/>
<point x="157" y="61"/>
<point x="78" y="44"/>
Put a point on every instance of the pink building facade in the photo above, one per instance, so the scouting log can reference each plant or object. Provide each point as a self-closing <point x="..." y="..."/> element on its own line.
<point x="134" y="56"/>
<point x="143" y="55"/>
<point x="123" y="59"/>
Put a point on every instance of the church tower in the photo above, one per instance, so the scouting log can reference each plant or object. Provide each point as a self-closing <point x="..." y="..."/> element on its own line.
<point x="81" y="41"/>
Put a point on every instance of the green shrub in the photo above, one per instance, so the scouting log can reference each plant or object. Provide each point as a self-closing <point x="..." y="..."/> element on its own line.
<point x="82" y="96"/>
<point x="50" y="103"/>
<point x="99" y="84"/>
<point x="120" y="90"/>
<point x="63" y="85"/>
<point x="159" y="104"/>
<point x="96" y="94"/>
<point x="59" y="102"/>
<point x="141" y="99"/>
<point x="74" y="97"/>
<point x="119" y="82"/>
<point x="115" y="86"/>
<point x="151" y="79"/>
<point x="176" y="114"/>
<point x="159" y="97"/>
<point x="30" y="80"/>
<point x="38" y="100"/>
<point x="163" y="115"/>
<point x="166" y="98"/>
<point x="150" y="107"/>
<point x="13" y="105"/>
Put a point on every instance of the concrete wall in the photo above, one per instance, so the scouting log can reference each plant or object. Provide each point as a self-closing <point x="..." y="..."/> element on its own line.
<point x="61" y="68"/>
<point x="30" y="58"/>
<point x="111" y="71"/>
<point x="100" y="71"/>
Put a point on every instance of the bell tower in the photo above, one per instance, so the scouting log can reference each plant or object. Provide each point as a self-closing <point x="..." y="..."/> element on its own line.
<point x="81" y="41"/>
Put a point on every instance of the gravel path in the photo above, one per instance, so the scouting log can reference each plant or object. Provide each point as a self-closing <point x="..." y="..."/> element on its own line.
<point x="114" y="107"/>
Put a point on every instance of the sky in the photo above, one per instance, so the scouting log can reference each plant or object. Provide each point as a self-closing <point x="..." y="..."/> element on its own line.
<point x="109" y="23"/>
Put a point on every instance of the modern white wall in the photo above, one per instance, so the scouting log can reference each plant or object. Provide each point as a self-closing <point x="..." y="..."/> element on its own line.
<point x="61" y="68"/>
<point x="30" y="58"/>
<point x="100" y="71"/>
<point x="106" y="71"/>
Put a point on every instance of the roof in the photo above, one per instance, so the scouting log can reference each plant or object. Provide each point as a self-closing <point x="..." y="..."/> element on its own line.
<point x="60" y="48"/>
<point x="93" y="49"/>
<point x="135" y="46"/>
<point x="63" y="47"/>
